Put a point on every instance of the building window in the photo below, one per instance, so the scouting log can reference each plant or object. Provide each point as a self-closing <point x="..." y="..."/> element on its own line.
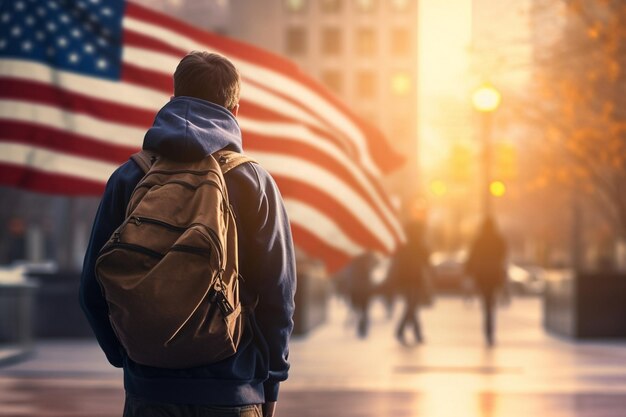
<point x="366" y="42"/>
<point x="366" y="84"/>
<point x="296" y="41"/>
<point x="401" y="83"/>
<point x="331" y="41"/>
<point x="400" y="41"/>
<point x="295" y="5"/>
<point x="366" y="6"/>
<point x="333" y="79"/>
<point x="401" y="5"/>
<point x="331" y="6"/>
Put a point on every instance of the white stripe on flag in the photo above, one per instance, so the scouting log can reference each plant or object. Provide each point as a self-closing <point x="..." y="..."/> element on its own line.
<point x="158" y="62"/>
<point x="322" y="226"/>
<point x="54" y="162"/>
<point x="299" y="133"/>
<point x="45" y="160"/>
<point x="91" y="127"/>
<point x="288" y="86"/>
<point x="305" y="171"/>
<point x="119" y="134"/>
<point x="113" y="91"/>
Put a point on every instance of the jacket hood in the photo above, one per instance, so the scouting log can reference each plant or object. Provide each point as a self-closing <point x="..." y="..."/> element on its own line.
<point x="189" y="129"/>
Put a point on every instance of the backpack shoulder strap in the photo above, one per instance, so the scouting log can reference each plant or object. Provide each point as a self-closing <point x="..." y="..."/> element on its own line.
<point x="231" y="159"/>
<point x="144" y="159"/>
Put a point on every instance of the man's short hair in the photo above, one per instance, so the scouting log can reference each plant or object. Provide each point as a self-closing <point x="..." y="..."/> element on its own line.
<point x="208" y="76"/>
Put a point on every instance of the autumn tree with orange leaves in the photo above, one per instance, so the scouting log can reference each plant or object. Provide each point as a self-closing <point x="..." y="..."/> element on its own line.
<point x="580" y="106"/>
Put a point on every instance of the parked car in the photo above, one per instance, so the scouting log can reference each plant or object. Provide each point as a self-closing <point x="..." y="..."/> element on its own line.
<point x="450" y="277"/>
<point x="526" y="279"/>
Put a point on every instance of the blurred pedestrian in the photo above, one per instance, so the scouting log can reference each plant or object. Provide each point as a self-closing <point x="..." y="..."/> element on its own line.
<point x="486" y="264"/>
<point x="408" y="273"/>
<point x="361" y="289"/>
<point x="387" y="290"/>
<point x="16" y="241"/>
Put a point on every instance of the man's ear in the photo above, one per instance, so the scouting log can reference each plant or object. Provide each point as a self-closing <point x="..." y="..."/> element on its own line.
<point x="235" y="110"/>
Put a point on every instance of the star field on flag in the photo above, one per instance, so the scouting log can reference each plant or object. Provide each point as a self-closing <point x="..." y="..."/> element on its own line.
<point x="85" y="39"/>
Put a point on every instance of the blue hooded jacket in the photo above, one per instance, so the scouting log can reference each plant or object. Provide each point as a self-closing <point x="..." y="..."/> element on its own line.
<point x="188" y="129"/>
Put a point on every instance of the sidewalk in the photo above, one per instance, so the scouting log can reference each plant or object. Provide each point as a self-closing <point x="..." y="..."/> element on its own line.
<point x="334" y="373"/>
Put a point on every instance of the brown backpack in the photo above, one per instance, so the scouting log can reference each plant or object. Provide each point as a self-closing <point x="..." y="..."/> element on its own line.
<point x="169" y="273"/>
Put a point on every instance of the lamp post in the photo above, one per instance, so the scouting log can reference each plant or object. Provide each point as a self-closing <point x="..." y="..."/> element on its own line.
<point x="486" y="100"/>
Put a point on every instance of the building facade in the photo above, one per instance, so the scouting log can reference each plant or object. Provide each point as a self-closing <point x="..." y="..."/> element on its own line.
<point x="365" y="51"/>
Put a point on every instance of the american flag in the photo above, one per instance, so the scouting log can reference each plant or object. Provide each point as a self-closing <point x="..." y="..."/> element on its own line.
<point x="81" y="81"/>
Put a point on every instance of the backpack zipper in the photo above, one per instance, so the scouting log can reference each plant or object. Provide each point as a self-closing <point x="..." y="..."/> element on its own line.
<point x="218" y="297"/>
<point x="132" y="247"/>
<point x="137" y="220"/>
<point x="184" y="184"/>
<point x="191" y="249"/>
<point x="182" y="171"/>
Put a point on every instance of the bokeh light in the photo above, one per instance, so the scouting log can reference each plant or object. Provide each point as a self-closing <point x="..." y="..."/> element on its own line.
<point x="486" y="98"/>
<point x="497" y="188"/>
<point x="438" y="188"/>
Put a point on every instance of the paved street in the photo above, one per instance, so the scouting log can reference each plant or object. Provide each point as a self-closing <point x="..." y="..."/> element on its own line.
<point x="528" y="373"/>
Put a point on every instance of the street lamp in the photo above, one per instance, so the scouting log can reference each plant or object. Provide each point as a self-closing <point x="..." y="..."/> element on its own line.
<point x="486" y="100"/>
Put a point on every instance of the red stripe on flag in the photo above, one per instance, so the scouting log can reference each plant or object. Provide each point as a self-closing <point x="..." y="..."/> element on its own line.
<point x="233" y="47"/>
<point x="386" y="158"/>
<point x="314" y="246"/>
<point x="47" y="182"/>
<point x="254" y="142"/>
<point x="85" y="146"/>
<point x="157" y="80"/>
<point x="37" y="92"/>
<point x="142" y="77"/>
<point x="76" y="145"/>
<point x="148" y="42"/>
<point x="340" y="140"/>
<point x="63" y="141"/>
<point x="324" y="202"/>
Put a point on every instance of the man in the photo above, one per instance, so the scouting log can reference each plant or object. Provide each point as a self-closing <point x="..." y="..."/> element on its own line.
<point x="362" y="289"/>
<point x="487" y="266"/>
<point x="411" y="263"/>
<point x="198" y="121"/>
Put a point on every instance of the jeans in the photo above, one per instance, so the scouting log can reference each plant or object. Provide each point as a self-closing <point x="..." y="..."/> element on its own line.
<point x="138" y="407"/>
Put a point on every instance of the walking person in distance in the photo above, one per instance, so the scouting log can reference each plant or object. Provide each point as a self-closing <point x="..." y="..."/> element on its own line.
<point x="408" y="275"/>
<point x="486" y="265"/>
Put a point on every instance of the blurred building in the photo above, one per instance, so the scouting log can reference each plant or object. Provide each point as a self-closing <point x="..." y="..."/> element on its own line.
<point x="365" y="51"/>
